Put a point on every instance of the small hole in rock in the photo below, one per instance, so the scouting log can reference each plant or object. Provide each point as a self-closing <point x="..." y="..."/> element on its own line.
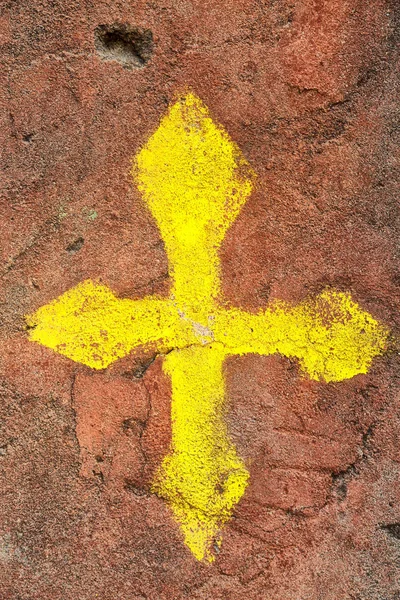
<point x="3" y="450"/>
<point x="131" y="46"/>
<point x="392" y="529"/>
<point x="27" y="137"/>
<point x="76" y="245"/>
<point x="99" y="475"/>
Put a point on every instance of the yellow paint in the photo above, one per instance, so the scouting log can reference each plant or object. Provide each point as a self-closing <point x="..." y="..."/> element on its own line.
<point x="195" y="181"/>
<point x="203" y="478"/>
<point x="93" y="327"/>
<point x="331" y="336"/>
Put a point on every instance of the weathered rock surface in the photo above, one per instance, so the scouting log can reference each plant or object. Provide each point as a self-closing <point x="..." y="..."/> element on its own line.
<point x="308" y="89"/>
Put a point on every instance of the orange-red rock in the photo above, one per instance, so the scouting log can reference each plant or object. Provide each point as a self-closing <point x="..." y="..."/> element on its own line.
<point x="309" y="91"/>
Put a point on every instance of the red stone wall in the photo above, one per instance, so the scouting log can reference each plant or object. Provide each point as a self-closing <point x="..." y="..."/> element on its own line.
<point x="309" y="91"/>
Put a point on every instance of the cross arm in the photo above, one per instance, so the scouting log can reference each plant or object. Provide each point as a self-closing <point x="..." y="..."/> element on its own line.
<point x="331" y="336"/>
<point x="90" y="325"/>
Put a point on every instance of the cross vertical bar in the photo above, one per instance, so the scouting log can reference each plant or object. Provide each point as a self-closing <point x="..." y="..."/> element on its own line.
<point x="202" y="478"/>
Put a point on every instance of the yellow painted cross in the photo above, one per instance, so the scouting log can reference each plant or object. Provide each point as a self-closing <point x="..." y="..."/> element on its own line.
<point x="195" y="181"/>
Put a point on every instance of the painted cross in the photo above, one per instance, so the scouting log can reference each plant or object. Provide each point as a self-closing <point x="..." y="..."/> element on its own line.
<point x="195" y="181"/>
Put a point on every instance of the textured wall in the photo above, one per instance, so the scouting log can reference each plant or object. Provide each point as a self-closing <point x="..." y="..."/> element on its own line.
<point x="308" y="90"/>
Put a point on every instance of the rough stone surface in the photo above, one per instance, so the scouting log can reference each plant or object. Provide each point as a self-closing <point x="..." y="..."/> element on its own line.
<point x="309" y="91"/>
